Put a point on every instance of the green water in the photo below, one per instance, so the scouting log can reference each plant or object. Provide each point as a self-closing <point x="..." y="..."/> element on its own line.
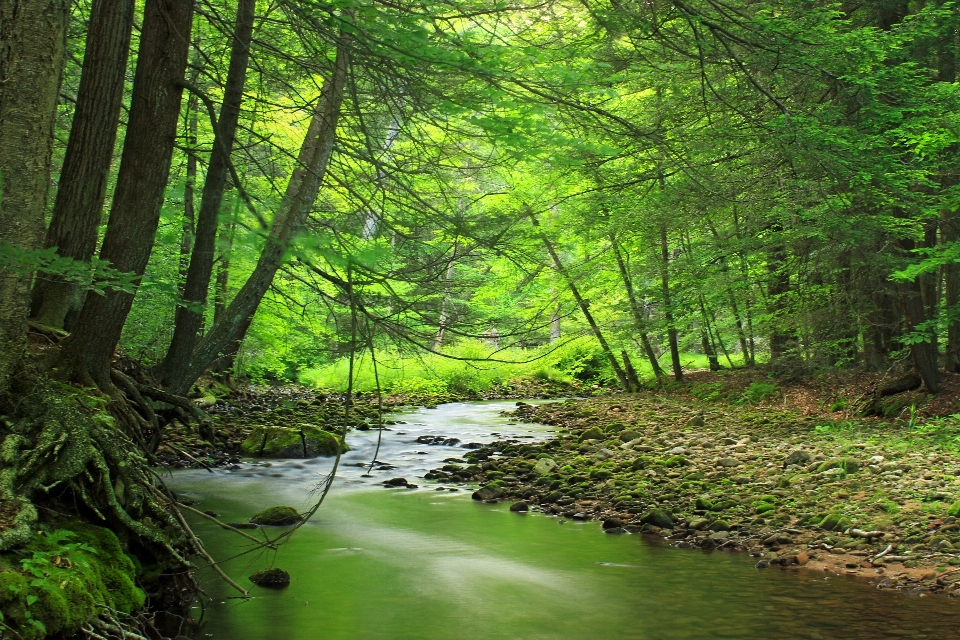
<point x="423" y="564"/>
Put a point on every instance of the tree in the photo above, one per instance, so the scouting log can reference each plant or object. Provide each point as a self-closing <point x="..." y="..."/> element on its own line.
<point x="32" y="43"/>
<point x="141" y="180"/>
<point x="86" y="165"/>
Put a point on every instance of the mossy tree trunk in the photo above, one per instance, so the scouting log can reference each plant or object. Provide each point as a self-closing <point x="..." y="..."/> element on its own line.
<point x="32" y="46"/>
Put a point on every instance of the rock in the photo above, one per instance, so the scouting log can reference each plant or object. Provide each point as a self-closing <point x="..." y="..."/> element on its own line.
<point x="875" y="460"/>
<point x="629" y="436"/>
<point x="763" y="564"/>
<point x="677" y="451"/>
<point x="658" y="518"/>
<point x="519" y="507"/>
<point x="551" y="497"/>
<point x="593" y="433"/>
<point x="277" y="517"/>
<point x="305" y="441"/>
<point x="698" y="524"/>
<point x="703" y="503"/>
<point x="696" y="421"/>
<point x="728" y="462"/>
<point x="396" y="482"/>
<point x="720" y="535"/>
<point x="612" y="523"/>
<point x="487" y="493"/>
<point x="834" y="522"/>
<point x="544" y="465"/>
<point x="797" y="457"/>
<point x="719" y="525"/>
<point x="273" y="578"/>
<point x="604" y="454"/>
<point x="954" y="509"/>
<point x="845" y="466"/>
<point x="615" y="531"/>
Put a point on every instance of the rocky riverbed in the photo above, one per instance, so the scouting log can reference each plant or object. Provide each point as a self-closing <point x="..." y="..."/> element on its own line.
<point x="859" y="497"/>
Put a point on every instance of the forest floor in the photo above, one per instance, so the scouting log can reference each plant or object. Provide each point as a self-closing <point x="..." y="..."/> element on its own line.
<point x="727" y="461"/>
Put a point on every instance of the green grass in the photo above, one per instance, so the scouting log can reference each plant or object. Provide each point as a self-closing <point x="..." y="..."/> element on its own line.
<point x="476" y="367"/>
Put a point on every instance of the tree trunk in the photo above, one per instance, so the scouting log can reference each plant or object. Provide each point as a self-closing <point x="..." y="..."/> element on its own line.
<point x="86" y="164"/>
<point x="708" y="348"/>
<point x="223" y="268"/>
<point x="32" y="46"/>
<point x="445" y="305"/>
<point x="302" y="191"/>
<point x="144" y="169"/>
<point x="584" y="307"/>
<point x="189" y="319"/>
<point x="638" y="320"/>
<point x="782" y="342"/>
<point x="189" y="226"/>
<point x="667" y="304"/>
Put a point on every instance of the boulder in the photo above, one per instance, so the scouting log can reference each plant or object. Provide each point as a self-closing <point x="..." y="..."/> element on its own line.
<point x="519" y="507"/>
<point x="658" y="518"/>
<point x="487" y="493"/>
<point x="629" y="436"/>
<point x="272" y="578"/>
<point x="797" y="457"/>
<point x="277" y="517"/>
<point x="593" y="433"/>
<point x="544" y="465"/>
<point x="305" y="441"/>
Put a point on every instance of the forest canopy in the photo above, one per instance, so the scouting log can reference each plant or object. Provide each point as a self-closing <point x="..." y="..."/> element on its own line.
<point x="265" y="187"/>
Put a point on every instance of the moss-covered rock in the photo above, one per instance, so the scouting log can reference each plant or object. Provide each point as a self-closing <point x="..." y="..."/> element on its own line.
<point x="593" y="433"/>
<point x="305" y="441"/>
<point x="63" y="578"/>
<point x="834" y="522"/>
<point x="277" y="517"/>
<point x="658" y="518"/>
<point x="272" y="578"/>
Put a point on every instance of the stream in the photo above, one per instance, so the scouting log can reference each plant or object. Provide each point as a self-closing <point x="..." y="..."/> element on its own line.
<point x="398" y="564"/>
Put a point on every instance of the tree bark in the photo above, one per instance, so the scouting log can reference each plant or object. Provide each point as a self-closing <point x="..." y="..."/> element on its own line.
<point x="667" y="304"/>
<point x="86" y="164"/>
<point x="142" y="178"/>
<point x="317" y="148"/>
<point x="32" y="48"/>
<point x="189" y="319"/>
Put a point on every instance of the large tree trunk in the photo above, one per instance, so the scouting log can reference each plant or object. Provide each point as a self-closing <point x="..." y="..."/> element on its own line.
<point x="189" y="317"/>
<point x="302" y="191"/>
<point x="144" y="169"/>
<point x="32" y="45"/>
<point x="668" y="304"/>
<point x="86" y="165"/>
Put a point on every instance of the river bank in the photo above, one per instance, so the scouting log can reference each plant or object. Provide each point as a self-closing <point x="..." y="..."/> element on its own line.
<point x="868" y="498"/>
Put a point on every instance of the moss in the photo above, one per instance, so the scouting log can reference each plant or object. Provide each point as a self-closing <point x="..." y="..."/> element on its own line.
<point x="305" y="441"/>
<point x="277" y="517"/>
<point x="64" y="577"/>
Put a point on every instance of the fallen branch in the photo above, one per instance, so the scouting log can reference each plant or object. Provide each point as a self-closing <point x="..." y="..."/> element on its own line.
<point x="265" y="543"/>
<point x="189" y="457"/>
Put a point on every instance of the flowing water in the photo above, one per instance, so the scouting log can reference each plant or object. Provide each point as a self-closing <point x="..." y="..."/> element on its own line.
<point x="397" y="564"/>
